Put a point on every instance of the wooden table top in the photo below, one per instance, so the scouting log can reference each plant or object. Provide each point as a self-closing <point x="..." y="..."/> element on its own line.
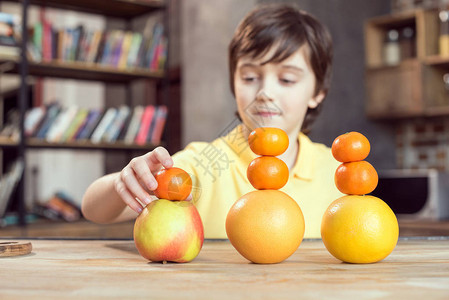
<point x="85" y="229"/>
<point x="105" y="269"/>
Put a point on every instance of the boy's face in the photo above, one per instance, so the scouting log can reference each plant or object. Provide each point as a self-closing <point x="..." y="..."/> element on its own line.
<point x="275" y="94"/>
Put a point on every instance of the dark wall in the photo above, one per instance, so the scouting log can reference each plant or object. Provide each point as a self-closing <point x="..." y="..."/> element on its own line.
<point x="344" y="107"/>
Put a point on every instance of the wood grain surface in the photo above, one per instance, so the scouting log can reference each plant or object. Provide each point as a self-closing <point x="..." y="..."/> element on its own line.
<point x="108" y="269"/>
<point x="88" y="230"/>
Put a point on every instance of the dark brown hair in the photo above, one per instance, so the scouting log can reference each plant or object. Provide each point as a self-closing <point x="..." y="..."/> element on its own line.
<point x="288" y="28"/>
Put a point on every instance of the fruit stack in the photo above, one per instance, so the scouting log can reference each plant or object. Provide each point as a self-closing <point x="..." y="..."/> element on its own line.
<point x="170" y="228"/>
<point x="266" y="225"/>
<point x="267" y="172"/>
<point x="354" y="176"/>
<point x="357" y="228"/>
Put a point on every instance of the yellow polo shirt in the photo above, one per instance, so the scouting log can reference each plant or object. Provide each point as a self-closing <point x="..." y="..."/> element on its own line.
<point x="218" y="170"/>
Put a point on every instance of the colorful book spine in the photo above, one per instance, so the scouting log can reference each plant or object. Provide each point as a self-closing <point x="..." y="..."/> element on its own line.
<point x="93" y="119"/>
<point x="33" y="119"/>
<point x="46" y="40"/>
<point x="152" y="125"/>
<point x="61" y="124"/>
<point x="147" y="117"/>
<point x="117" y="49"/>
<point x="102" y="127"/>
<point x="134" y="50"/>
<point x="124" y="130"/>
<point x="159" y="124"/>
<point x="52" y="113"/>
<point x="78" y="120"/>
<point x="37" y="37"/>
<point x="114" y="130"/>
<point x="133" y="127"/>
<point x="93" y="46"/>
<point x="157" y="35"/>
<point x="126" y="45"/>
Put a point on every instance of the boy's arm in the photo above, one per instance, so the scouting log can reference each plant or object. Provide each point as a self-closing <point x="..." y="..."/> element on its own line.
<point x="102" y="204"/>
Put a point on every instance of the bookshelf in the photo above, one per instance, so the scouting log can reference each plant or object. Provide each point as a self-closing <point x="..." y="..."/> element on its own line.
<point x="83" y="71"/>
<point x="123" y="9"/>
<point x="21" y="65"/>
<point x="34" y="143"/>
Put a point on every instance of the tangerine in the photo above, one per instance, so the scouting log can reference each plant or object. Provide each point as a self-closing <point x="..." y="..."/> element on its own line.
<point x="173" y="184"/>
<point x="351" y="146"/>
<point x="265" y="226"/>
<point x="268" y="141"/>
<point x="267" y="172"/>
<point x="356" y="178"/>
<point x="359" y="229"/>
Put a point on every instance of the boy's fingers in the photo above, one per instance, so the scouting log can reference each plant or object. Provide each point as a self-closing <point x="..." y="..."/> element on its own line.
<point x="161" y="156"/>
<point x="144" y="174"/>
<point x="132" y="184"/>
<point x="124" y="193"/>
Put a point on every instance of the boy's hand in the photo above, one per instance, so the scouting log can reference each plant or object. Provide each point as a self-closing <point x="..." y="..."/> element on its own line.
<point x="136" y="180"/>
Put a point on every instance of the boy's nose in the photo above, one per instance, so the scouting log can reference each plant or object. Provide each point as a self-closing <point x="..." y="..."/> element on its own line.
<point x="263" y="96"/>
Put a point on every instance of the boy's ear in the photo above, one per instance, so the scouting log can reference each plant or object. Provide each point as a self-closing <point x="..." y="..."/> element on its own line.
<point x="315" y="101"/>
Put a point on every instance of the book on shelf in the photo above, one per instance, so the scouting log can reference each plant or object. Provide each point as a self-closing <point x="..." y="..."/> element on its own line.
<point x="154" y="44"/>
<point x="121" y="135"/>
<point x="8" y="183"/>
<point x="93" y="118"/>
<point x="145" y="125"/>
<point x="102" y="127"/>
<point x="113" y="131"/>
<point x="134" y="125"/>
<point x="75" y="125"/>
<point x="133" y="51"/>
<point x="61" y="123"/>
<point x="37" y="38"/>
<point x="121" y="49"/>
<point x="10" y="129"/>
<point x="148" y="138"/>
<point x="33" y="118"/>
<point x="159" y="125"/>
<point x="9" y="27"/>
<point x="50" y="116"/>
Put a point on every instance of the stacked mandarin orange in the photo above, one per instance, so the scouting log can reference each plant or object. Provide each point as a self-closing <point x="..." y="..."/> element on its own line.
<point x="266" y="225"/>
<point x="357" y="228"/>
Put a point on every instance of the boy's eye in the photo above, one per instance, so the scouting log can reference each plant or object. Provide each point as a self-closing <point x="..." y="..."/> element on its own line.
<point x="249" y="78"/>
<point x="287" y="81"/>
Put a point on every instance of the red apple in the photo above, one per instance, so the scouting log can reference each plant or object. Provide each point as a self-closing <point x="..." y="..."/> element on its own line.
<point x="169" y="231"/>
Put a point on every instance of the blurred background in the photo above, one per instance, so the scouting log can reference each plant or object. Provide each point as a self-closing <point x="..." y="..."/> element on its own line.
<point x="90" y="70"/>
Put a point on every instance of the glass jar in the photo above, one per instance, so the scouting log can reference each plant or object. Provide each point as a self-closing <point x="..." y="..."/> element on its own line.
<point x="443" y="41"/>
<point x="391" y="51"/>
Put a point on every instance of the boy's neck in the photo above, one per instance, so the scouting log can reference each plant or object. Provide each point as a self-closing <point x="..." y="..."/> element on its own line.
<point x="291" y="154"/>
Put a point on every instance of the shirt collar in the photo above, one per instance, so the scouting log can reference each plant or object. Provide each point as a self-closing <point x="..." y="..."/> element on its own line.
<point x="305" y="162"/>
<point x="238" y="143"/>
<point x="304" y="166"/>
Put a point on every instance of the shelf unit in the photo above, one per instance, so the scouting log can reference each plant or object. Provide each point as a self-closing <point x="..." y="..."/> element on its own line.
<point x="34" y="143"/>
<point x="122" y="9"/>
<point x="414" y="87"/>
<point x="84" y="71"/>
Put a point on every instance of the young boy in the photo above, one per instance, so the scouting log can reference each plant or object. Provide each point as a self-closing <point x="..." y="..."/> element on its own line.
<point x="280" y="67"/>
